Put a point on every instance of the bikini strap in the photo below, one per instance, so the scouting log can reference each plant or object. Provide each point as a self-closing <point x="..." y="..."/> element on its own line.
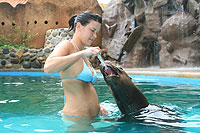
<point x="75" y="45"/>
<point x="79" y="50"/>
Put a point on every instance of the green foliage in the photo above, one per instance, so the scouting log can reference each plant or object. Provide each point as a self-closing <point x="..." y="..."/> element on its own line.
<point x="17" y="39"/>
<point x="16" y="46"/>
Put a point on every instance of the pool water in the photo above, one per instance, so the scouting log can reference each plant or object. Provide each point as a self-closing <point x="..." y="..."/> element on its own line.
<point x="30" y="102"/>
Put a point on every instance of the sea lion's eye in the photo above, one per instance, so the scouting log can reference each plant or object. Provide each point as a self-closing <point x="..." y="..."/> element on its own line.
<point x="121" y="68"/>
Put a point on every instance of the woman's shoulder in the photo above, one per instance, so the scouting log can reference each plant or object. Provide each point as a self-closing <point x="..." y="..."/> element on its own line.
<point x="63" y="48"/>
<point x="65" y="44"/>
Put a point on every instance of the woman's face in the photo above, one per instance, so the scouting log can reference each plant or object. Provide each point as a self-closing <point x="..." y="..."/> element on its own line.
<point x="89" y="32"/>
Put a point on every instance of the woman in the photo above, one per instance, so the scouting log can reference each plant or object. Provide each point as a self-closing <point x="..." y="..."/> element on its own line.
<point x="78" y="76"/>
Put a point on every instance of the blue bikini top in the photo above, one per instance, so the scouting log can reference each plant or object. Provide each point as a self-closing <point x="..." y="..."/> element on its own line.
<point x="85" y="75"/>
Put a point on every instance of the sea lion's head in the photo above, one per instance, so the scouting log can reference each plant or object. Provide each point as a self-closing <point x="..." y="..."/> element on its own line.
<point x="118" y="82"/>
<point x="113" y="73"/>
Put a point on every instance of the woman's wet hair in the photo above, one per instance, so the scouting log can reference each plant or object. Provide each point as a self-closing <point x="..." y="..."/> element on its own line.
<point x="84" y="18"/>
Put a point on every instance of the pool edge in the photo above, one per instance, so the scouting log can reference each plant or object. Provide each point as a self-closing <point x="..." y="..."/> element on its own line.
<point x="173" y="72"/>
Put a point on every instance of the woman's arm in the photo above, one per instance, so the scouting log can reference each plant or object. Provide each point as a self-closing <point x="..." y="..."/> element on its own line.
<point x="61" y="59"/>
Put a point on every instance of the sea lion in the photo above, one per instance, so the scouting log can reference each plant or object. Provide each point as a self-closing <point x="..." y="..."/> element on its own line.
<point x="131" y="101"/>
<point x="127" y="95"/>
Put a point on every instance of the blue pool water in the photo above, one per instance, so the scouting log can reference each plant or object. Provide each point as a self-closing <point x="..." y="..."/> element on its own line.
<point x="30" y="102"/>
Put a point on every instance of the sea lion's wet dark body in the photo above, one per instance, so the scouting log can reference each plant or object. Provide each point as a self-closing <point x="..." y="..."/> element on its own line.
<point x="131" y="101"/>
<point x="127" y="95"/>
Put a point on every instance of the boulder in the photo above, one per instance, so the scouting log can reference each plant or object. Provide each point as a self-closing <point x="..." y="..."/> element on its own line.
<point x="117" y="22"/>
<point x="26" y="65"/>
<point x="178" y="26"/>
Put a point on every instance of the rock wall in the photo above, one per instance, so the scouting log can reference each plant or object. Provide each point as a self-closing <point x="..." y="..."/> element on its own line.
<point x="169" y="37"/>
<point x="30" y="59"/>
<point x="180" y="42"/>
<point x="34" y="59"/>
<point x="38" y="16"/>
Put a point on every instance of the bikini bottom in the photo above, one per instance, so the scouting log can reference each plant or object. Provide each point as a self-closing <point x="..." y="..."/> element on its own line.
<point x="78" y="123"/>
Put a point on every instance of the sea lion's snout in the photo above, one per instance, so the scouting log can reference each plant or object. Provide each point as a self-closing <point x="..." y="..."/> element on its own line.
<point x="108" y="70"/>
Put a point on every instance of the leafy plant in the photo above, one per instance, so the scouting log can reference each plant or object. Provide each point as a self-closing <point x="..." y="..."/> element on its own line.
<point x="16" y="39"/>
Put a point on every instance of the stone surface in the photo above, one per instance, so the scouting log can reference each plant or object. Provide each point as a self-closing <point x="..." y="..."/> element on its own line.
<point x="116" y="14"/>
<point x="132" y="39"/>
<point x="36" y="64"/>
<point x="159" y="3"/>
<point x="193" y="7"/>
<point x="8" y="66"/>
<point x="170" y="37"/>
<point x="16" y="59"/>
<point x="178" y="26"/>
<point x="3" y="62"/>
<point x="152" y="19"/>
<point x="19" y="54"/>
<point x="140" y="16"/>
<point x="47" y="50"/>
<point x="5" y="51"/>
<point x="55" y="36"/>
<point x="26" y="65"/>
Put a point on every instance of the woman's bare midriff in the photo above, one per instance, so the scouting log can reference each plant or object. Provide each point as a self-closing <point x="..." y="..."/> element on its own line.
<point x="80" y="99"/>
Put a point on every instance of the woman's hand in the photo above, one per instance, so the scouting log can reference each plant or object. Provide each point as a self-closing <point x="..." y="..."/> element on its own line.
<point x="91" y="51"/>
<point x="103" y="110"/>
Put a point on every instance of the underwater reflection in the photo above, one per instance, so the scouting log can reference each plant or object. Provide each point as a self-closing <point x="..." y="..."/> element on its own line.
<point x="78" y="124"/>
